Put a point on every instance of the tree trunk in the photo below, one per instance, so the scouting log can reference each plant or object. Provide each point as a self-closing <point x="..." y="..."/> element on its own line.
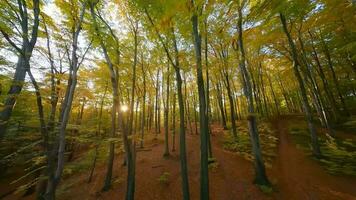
<point x="335" y="80"/>
<point x="187" y="110"/>
<point x="131" y="157"/>
<point x="221" y="105"/>
<point x="143" y="105"/>
<point x="174" y="123"/>
<point x="23" y="61"/>
<point x="276" y="102"/>
<point x="182" y="143"/>
<point x="55" y="176"/>
<point x="261" y="177"/>
<point x="166" y="112"/>
<point x="204" y="131"/>
<point x="231" y="101"/>
<point x="98" y="133"/>
<point x="306" y="106"/>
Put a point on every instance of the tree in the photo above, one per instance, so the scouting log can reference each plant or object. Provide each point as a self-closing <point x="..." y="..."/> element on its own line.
<point x="306" y="106"/>
<point x="19" y="14"/>
<point x="55" y="173"/>
<point x="204" y="129"/>
<point x="261" y="177"/>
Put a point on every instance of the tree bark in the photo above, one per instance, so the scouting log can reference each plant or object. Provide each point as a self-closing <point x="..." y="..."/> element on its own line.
<point x="260" y="173"/>
<point x="166" y="116"/>
<point x="204" y="132"/>
<point x="306" y="106"/>
<point x="23" y="60"/>
<point x="55" y="176"/>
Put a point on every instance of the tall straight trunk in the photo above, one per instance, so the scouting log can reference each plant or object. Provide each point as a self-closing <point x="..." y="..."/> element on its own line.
<point x="150" y="114"/>
<point x="157" y="123"/>
<point x="98" y="133"/>
<point x="174" y="123"/>
<point x="54" y="84"/>
<point x="236" y="101"/>
<point x="187" y="110"/>
<point x="255" y="92"/>
<point x="131" y="157"/>
<point x="285" y="95"/>
<point x="208" y="109"/>
<point x="55" y="175"/>
<point x="204" y="131"/>
<point x="166" y="116"/>
<point x="221" y="105"/>
<point x="335" y="80"/>
<point x="232" y="108"/>
<point x="143" y="104"/>
<point x="182" y="142"/>
<point x="276" y="102"/>
<point x="44" y="133"/>
<point x="260" y="176"/>
<point x="327" y="90"/>
<point x="160" y="100"/>
<point x="23" y="60"/>
<point x="195" y="115"/>
<point x="137" y="115"/>
<point x="316" y="94"/>
<point x="114" y="83"/>
<point x="306" y="106"/>
<point x="263" y="91"/>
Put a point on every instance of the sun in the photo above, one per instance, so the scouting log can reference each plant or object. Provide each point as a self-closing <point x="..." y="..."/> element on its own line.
<point x="124" y="108"/>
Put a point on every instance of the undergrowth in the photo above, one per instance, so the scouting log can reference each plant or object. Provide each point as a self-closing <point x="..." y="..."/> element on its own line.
<point x="242" y="144"/>
<point x="164" y="178"/>
<point x="338" y="155"/>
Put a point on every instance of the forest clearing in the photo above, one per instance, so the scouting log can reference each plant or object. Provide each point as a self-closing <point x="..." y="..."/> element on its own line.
<point x="188" y="99"/>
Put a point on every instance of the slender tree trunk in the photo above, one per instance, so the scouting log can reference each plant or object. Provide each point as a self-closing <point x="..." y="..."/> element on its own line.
<point x="41" y="186"/>
<point x="208" y="108"/>
<point x="276" y="103"/>
<point x="182" y="143"/>
<point x="114" y="82"/>
<point x="131" y="157"/>
<point x="54" y="84"/>
<point x="316" y="94"/>
<point x="189" y="122"/>
<point x="195" y="115"/>
<point x="55" y="173"/>
<point x="23" y="61"/>
<point x="335" y="80"/>
<point x="263" y="91"/>
<point x="261" y="177"/>
<point x="221" y="105"/>
<point x="166" y="116"/>
<point x="231" y="101"/>
<point x="306" y="106"/>
<point x="204" y="130"/>
<point x="174" y="123"/>
<point x="156" y="106"/>
<point x="98" y="133"/>
<point x="327" y="90"/>
<point x="143" y="104"/>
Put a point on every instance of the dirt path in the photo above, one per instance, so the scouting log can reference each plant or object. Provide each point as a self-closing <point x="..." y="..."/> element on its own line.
<point x="231" y="180"/>
<point x="296" y="176"/>
<point x="300" y="177"/>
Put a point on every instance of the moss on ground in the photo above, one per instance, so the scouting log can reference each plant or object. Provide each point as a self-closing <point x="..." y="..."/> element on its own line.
<point x="338" y="155"/>
<point x="242" y="144"/>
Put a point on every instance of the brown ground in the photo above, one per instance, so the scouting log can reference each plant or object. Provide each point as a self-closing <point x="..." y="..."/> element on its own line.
<point x="300" y="177"/>
<point x="295" y="176"/>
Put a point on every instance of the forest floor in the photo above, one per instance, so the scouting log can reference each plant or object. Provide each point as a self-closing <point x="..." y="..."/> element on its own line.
<point x="294" y="174"/>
